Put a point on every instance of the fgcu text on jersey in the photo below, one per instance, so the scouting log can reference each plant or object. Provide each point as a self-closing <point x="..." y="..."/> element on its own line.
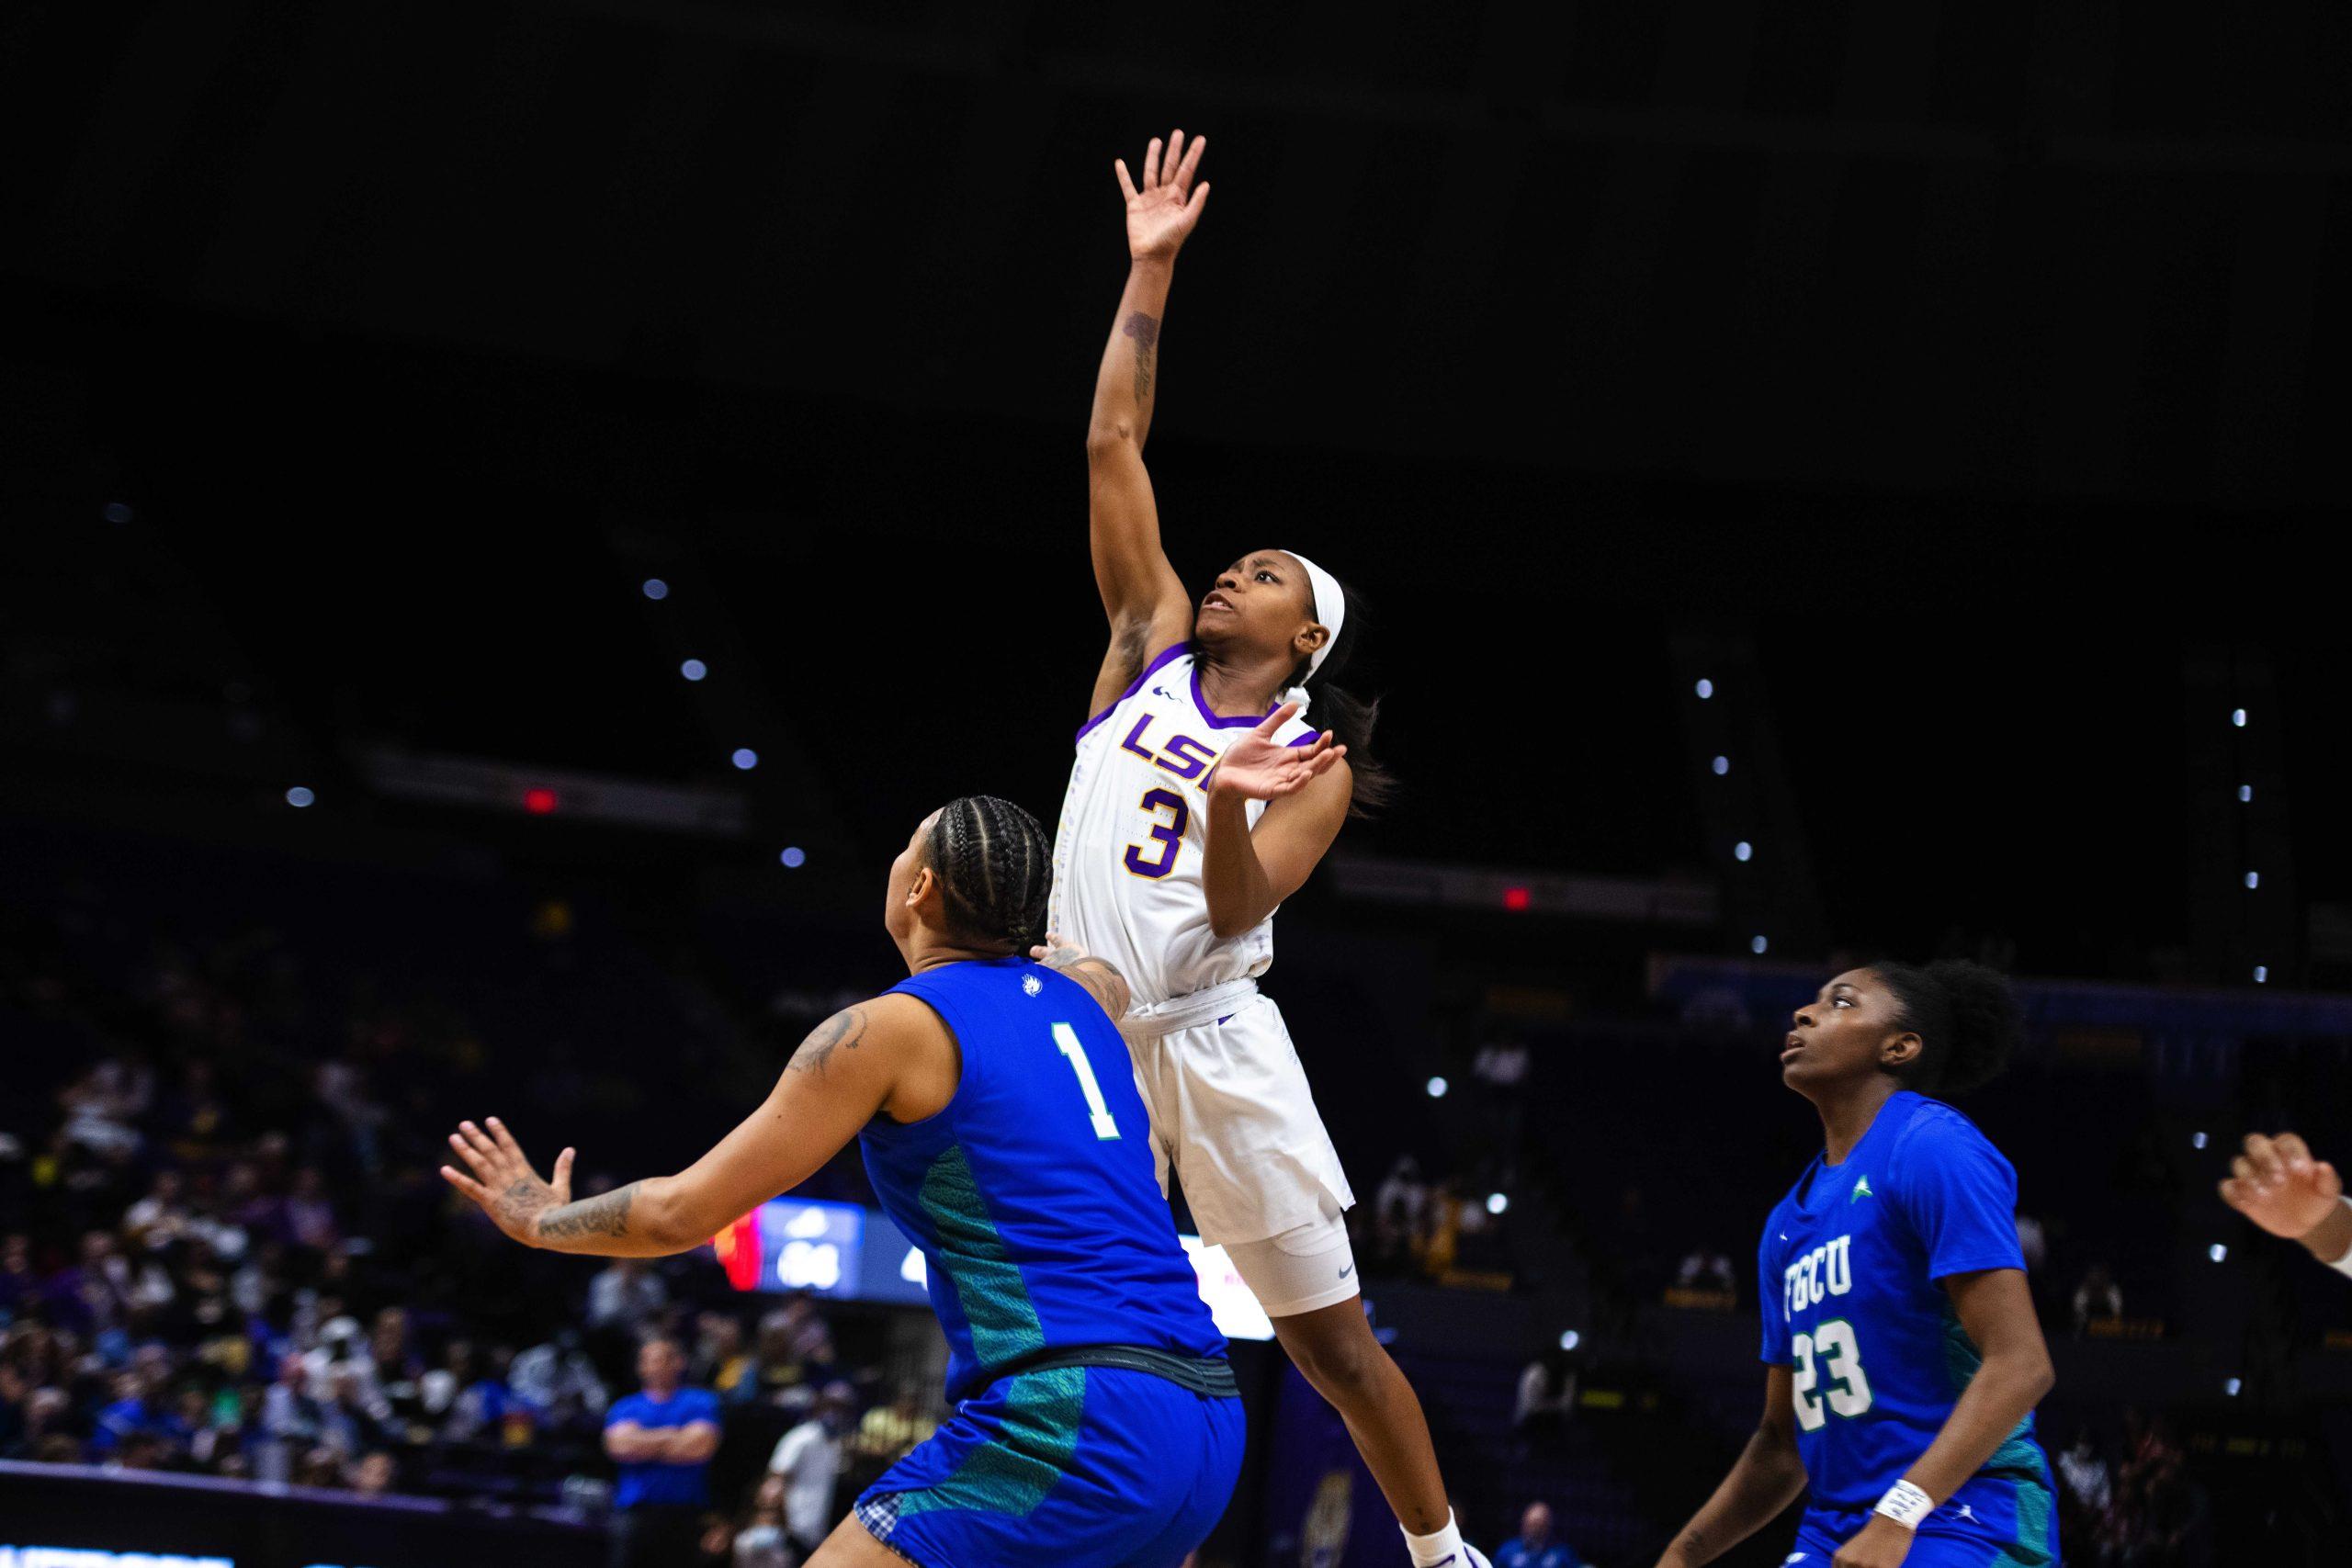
<point x="1134" y="827"/>
<point x="1850" y="1274"/>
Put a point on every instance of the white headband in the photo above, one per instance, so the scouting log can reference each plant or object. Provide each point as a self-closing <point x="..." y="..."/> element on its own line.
<point x="1331" y="608"/>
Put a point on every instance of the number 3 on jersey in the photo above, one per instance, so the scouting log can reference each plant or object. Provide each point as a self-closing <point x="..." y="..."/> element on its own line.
<point x="1071" y="1046"/>
<point x="1836" y="1377"/>
<point x="1168" y="835"/>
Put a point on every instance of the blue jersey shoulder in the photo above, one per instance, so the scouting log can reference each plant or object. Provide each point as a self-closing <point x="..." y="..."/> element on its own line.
<point x="1958" y="1191"/>
<point x="1939" y="1131"/>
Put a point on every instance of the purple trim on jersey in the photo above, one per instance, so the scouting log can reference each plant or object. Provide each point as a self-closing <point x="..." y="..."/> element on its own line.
<point x="1135" y="685"/>
<point x="1309" y="739"/>
<point x="1216" y="722"/>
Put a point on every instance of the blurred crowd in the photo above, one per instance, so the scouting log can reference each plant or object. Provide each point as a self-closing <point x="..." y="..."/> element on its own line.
<point x="1449" y="1231"/>
<point x="2134" y="1504"/>
<point x="220" y="1256"/>
<point x="1452" y="1229"/>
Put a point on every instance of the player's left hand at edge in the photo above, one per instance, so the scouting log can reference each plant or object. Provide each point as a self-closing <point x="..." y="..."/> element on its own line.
<point x="1883" y="1543"/>
<point x="2278" y="1185"/>
<point x="503" y="1183"/>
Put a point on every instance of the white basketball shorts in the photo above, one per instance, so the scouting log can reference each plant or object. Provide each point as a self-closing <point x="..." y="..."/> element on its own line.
<point x="1231" y="1111"/>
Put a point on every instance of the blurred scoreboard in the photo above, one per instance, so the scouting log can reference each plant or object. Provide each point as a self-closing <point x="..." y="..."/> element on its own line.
<point x="852" y="1252"/>
<point x="827" y="1249"/>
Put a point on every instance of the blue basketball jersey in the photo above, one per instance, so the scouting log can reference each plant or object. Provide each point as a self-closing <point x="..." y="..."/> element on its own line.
<point x="1033" y="1195"/>
<point x="1849" y="1279"/>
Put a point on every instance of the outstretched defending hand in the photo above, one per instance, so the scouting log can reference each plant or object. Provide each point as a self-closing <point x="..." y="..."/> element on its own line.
<point x="1160" y="215"/>
<point x="2278" y="1185"/>
<point x="503" y="1182"/>
<point x="1258" y="767"/>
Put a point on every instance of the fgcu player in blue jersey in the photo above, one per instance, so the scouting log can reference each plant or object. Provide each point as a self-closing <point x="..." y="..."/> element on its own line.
<point x="1903" y="1353"/>
<point x="1096" y="1420"/>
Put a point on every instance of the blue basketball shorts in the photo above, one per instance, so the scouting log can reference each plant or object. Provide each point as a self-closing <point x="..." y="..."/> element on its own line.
<point x="1078" y="1467"/>
<point x="1988" y="1523"/>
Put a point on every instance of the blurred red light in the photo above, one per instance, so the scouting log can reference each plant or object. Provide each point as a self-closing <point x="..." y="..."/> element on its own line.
<point x="540" y="801"/>
<point x="1515" y="899"/>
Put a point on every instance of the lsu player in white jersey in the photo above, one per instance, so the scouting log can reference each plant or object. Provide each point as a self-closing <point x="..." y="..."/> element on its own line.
<point x="1202" y="797"/>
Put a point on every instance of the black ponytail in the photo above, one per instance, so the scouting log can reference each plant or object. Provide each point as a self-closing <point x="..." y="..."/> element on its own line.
<point x="1966" y="1017"/>
<point x="994" y="866"/>
<point x="1349" y="718"/>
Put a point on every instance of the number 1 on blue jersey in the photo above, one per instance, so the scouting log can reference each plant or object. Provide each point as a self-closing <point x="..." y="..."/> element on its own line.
<point x="1067" y="1038"/>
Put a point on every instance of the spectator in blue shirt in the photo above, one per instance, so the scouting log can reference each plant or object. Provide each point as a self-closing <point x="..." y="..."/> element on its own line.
<point x="127" y="1416"/>
<point x="1535" y="1548"/>
<point x="662" y="1439"/>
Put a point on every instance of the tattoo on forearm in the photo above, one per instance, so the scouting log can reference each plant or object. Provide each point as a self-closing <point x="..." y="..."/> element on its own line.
<point x="1144" y="330"/>
<point x="844" y="1029"/>
<point x="606" y="1214"/>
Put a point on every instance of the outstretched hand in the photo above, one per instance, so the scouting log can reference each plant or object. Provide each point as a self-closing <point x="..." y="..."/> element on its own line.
<point x="1259" y="767"/>
<point x="2278" y="1185"/>
<point x="502" y="1181"/>
<point x="1162" y="211"/>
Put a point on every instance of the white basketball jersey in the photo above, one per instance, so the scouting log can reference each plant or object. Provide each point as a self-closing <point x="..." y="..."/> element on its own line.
<point x="1134" y="827"/>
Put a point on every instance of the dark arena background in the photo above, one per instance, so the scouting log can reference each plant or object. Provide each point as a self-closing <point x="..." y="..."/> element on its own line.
<point x="510" y="512"/>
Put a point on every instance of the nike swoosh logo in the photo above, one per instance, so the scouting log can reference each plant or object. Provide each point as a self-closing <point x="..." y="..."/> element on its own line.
<point x="1343" y="1274"/>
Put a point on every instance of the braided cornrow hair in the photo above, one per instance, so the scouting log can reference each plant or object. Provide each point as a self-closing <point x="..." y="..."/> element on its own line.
<point x="995" y="866"/>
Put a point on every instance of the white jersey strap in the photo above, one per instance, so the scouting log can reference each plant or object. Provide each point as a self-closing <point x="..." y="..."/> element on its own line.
<point x="1188" y="1011"/>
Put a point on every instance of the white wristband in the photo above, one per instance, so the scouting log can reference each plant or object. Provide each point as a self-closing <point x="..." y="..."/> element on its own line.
<point x="1907" y="1505"/>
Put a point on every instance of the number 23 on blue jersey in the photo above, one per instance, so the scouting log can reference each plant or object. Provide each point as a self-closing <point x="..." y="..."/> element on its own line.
<point x="1828" y="1372"/>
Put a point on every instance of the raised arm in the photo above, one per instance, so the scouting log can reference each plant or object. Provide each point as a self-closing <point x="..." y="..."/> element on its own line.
<point x="1765" y="1479"/>
<point x="1141" y="593"/>
<point x="843" y="1073"/>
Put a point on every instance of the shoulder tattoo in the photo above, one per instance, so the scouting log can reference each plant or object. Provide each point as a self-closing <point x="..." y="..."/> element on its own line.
<point x="845" y="1030"/>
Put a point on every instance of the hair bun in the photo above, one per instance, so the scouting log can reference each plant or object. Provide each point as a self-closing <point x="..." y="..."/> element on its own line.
<point x="1986" y="1022"/>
